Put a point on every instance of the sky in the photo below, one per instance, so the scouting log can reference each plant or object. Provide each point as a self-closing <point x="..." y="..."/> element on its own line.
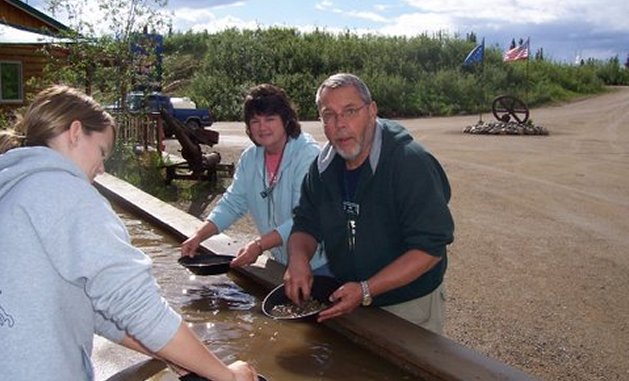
<point x="566" y="30"/>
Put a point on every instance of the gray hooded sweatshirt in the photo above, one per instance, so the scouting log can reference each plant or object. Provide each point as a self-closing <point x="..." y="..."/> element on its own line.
<point x="67" y="272"/>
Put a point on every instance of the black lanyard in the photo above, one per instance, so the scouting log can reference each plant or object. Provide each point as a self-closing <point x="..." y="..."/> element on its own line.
<point x="266" y="192"/>
<point x="350" y="180"/>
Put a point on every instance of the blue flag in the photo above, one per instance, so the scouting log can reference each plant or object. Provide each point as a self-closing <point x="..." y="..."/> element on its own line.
<point x="476" y="55"/>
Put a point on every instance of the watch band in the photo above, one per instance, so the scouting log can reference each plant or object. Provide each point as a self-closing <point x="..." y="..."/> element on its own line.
<point x="366" y="294"/>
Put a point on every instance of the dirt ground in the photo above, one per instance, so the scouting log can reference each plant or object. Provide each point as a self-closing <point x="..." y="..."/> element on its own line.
<point x="539" y="270"/>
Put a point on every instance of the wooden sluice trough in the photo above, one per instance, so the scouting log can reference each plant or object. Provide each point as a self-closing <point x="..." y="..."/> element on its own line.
<point x="426" y="355"/>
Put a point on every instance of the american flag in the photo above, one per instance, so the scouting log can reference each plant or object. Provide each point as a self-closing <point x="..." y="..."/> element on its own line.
<point x="520" y="52"/>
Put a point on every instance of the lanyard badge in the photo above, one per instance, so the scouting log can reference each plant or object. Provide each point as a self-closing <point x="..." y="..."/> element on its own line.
<point x="352" y="210"/>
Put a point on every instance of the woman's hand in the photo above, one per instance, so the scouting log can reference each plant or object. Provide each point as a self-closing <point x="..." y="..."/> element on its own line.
<point x="248" y="254"/>
<point x="240" y="371"/>
<point x="189" y="247"/>
<point x="243" y="371"/>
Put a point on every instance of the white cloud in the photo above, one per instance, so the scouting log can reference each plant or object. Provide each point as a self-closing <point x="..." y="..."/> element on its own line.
<point x="211" y="4"/>
<point x="363" y="15"/>
<point x="220" y="24"/>
<point x="203" y="19"/>
<point x="417" y="23"/>
<point x="324" y="5"/>
<point x="370" y="16"/>
<point x="191" y="16"/>
<point x="382" y="7"/>
<point x="607" y="13"/>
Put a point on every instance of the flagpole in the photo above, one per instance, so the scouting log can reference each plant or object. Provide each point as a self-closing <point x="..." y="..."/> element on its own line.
<point x="528" y="58"/>
<point x="483" y="97"/>
<point x="520" y="52"/>
<point x="482" y="86"/>
<point x="478" y="53"/>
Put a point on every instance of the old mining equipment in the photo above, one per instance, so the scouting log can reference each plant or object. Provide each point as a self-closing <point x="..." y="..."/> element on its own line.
<point x="507" y="107"/>
<point x="197" y="165"/>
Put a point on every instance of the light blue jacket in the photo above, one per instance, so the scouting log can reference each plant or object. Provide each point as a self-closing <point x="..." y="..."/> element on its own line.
<point x="67" y="271"/>
<point x="274" y="212"/>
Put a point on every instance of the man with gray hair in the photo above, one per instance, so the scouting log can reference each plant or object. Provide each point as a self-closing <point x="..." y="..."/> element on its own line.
<point x="379" y="204"/>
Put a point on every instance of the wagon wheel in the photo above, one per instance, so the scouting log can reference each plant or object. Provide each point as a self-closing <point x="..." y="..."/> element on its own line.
<point x="506" y="107"/>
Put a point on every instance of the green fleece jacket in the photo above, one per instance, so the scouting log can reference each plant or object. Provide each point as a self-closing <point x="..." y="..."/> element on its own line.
<point x="402" y="195"/>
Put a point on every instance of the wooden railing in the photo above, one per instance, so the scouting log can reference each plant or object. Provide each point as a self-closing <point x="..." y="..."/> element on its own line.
<point x="144" y="130"/>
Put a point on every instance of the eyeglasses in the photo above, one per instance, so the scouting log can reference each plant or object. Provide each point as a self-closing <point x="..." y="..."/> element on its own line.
<point x="328" y="117"/>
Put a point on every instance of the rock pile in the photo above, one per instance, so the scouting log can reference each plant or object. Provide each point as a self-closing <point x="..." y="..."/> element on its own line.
<point x="505" y="128"/>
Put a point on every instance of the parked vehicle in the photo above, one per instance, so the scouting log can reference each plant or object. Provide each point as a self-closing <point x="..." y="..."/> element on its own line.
<point x="182" y="109"/>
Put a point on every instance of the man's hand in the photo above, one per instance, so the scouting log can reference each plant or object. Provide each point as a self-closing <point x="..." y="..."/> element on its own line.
<point x="298" y="275"/>
<point x="298" y="279"/>
<point x="346" y="299"/>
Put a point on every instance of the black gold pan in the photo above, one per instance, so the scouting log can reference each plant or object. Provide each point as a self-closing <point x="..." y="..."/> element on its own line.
<point x="322" y="288"/>
<point x="207" y="264"/>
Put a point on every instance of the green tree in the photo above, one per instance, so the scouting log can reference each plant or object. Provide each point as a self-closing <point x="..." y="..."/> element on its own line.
<point x="110" y="57"/>
<point x="113" y="55"/>
<point x="408" y="76"/>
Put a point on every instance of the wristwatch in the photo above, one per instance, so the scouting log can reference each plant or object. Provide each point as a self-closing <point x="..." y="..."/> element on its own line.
<point x="366" y="295"/>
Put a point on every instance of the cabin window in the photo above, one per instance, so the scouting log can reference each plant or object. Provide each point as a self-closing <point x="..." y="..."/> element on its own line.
<point x="10" y="82"/>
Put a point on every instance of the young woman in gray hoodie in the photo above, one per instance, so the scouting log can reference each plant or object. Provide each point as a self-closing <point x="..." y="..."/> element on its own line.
<point x="67" y="267"/>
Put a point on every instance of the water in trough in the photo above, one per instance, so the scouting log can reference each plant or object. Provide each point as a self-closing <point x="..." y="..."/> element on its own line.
<point x="225" y="312"/>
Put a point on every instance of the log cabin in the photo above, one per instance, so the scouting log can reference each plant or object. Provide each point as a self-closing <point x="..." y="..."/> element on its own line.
<point x="25" y="33"/>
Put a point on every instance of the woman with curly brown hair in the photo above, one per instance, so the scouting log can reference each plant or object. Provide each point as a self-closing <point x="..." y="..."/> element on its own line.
<point x="267" y="182"/>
